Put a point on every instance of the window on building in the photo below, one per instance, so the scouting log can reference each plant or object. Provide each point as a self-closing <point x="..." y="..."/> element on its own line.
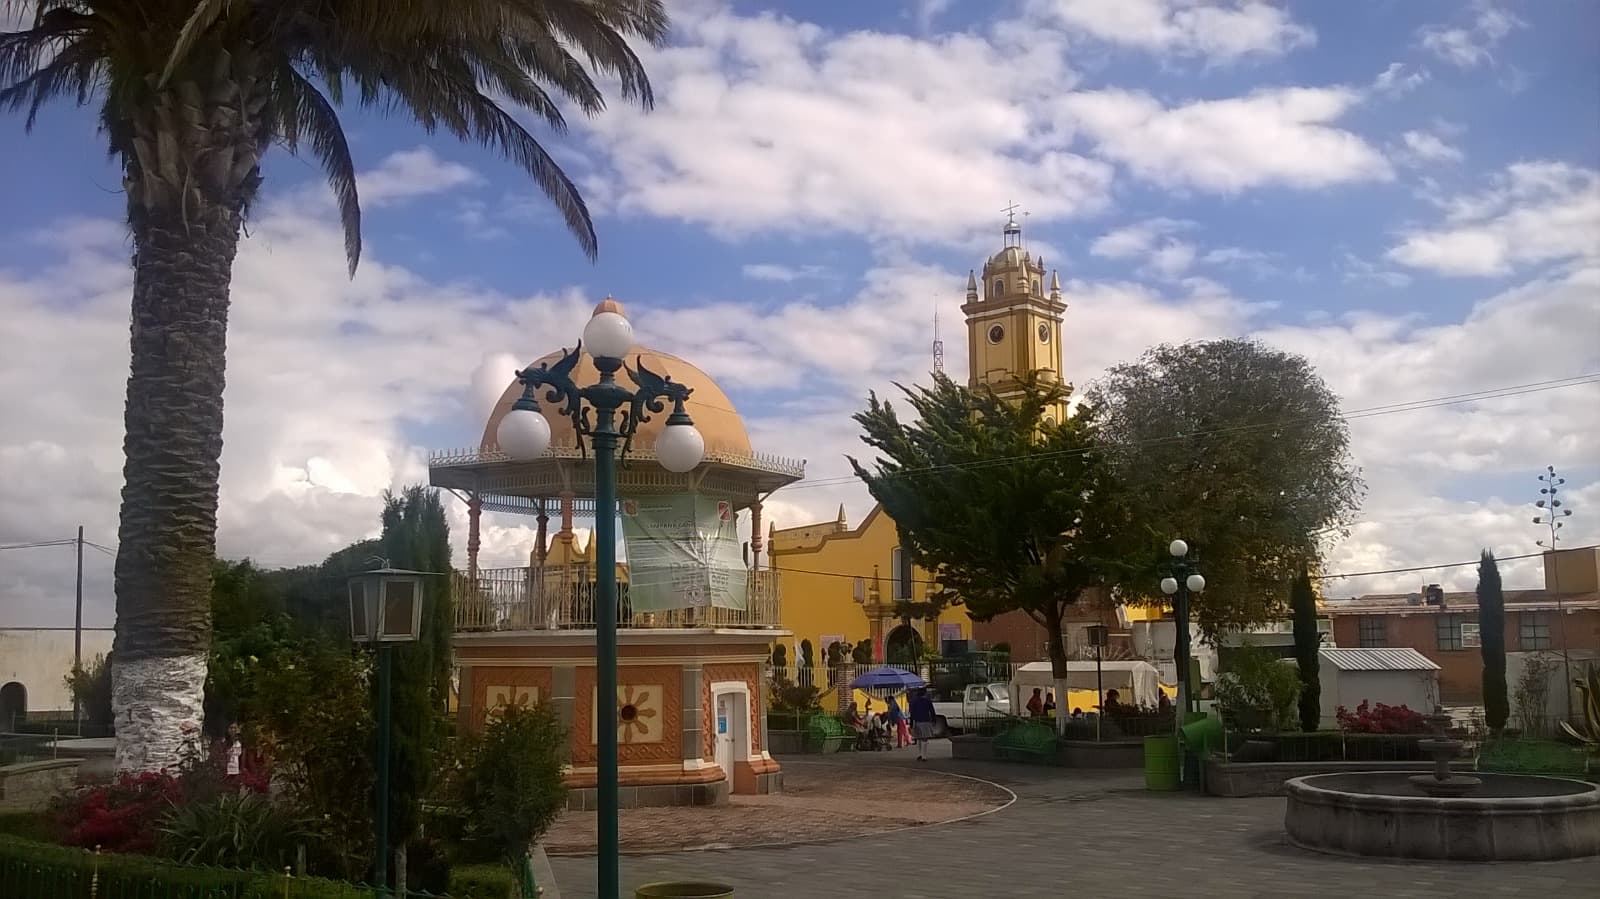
<point x="900" y="564"/>
<point x="1449" y="632"/>
<point x="999" y="287"/>
<point x="1372" y="631"/>
<point x="1533" y="629"/>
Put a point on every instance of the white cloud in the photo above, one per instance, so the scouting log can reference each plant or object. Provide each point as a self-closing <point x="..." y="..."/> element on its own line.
<point x="1396" y="80"/>
<point x="1137" y="239"/>
<point x="1282" y="137"/>
<point x="766" y="124"/>
<point x="1220" y="31"/>
<point x="1356" y="269"/>
<point x="772" y="271"/>
<point x="1535" y="212"/>
<point x="409" y="174"/>
<point x="1427" y="147"/>
<point x="1473" y="44"/>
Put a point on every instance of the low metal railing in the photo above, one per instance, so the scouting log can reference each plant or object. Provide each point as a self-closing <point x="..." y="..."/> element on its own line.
<point x="566" y="597"/>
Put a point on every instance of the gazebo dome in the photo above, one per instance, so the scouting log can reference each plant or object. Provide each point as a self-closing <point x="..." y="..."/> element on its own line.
<point x="713" y="413"/>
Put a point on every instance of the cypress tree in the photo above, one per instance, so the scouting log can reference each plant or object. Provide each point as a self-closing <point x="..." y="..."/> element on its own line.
<point x="1307" y="644"/>
<point x="416" y="536"/>
<point x="1492" y="637"/>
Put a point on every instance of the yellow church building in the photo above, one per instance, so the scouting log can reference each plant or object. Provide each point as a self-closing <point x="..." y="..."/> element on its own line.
<point x="841" y="584"/>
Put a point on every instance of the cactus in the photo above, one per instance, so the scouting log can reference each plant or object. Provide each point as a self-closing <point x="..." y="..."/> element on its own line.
<point x="1589" y="686"/>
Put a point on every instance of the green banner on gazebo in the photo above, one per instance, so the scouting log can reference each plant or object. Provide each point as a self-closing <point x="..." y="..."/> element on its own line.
<point x="683" y="553"/>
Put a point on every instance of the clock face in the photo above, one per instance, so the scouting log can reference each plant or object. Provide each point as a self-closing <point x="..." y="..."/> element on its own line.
<point x="1044" y="333"/>
<point x="996" y="333"/>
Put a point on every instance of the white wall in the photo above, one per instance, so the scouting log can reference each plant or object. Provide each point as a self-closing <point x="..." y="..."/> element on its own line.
<point x="1555" y="682"/>
<point x="41" y="658"/>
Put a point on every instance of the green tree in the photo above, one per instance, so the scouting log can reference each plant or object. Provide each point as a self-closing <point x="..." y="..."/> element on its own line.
<point x="1492" y="634"/>
<point x="512" y="786"/>
<point x="190" y="95"/>
<point x="1009" y="510"/>
<point x="416" y="536"/>
<point x="1238" y="449"/>
<point x="1307" y="650"/>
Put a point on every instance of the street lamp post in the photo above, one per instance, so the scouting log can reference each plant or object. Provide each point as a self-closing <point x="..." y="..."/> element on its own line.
<point x="524" y="435"/>
<point x="1097" y="639"/>
<point x="1183" y="581"/>
<point x="385" y="609"/>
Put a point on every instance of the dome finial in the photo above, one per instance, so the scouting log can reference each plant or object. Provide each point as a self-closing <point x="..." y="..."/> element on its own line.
<point x="608" y="305"/>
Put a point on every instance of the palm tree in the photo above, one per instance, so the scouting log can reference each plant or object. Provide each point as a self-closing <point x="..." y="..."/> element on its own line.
<point x="191" y="93"/>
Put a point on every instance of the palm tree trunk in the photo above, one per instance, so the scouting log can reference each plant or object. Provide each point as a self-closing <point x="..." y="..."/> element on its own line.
<point x="167" y="536"/>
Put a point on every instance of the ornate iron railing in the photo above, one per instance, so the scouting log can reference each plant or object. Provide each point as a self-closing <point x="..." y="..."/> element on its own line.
<point x="565" y="598"/>
<point x="758" y="461"/>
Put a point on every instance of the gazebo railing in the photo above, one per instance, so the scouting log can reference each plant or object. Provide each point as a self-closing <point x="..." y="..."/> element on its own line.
<point x="565" y="598"/>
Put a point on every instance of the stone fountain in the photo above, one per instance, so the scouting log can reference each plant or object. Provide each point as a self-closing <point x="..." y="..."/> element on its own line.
<point x="1443" y="750"/>
<point x="1444" y="815"/>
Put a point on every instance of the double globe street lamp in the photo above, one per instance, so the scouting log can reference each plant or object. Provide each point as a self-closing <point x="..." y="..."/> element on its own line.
<point x="524" y="435"/>
<point x="1183" y="581"/>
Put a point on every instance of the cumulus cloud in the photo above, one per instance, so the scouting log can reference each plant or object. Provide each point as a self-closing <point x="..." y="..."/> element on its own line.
<point x="1472" y="44"/>
<point x="1426" y="147"/>
<point x="1221" y="31"/>
<point x="410" y="174"/>
<point x="1278" y="137"/>
<point x="1533" y="212"/>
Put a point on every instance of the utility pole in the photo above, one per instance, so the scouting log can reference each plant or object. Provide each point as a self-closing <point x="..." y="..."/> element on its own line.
<point x="77" y="633"/>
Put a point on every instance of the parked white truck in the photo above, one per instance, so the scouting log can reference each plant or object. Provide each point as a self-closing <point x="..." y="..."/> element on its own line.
<point x="977" y="703"/>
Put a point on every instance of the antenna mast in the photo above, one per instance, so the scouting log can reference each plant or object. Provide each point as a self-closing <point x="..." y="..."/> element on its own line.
<point x="938" y="343"/>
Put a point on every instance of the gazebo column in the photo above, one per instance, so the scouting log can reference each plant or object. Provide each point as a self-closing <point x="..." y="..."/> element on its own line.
<point x="474" y="513"/>
<point x="756" y="536"/>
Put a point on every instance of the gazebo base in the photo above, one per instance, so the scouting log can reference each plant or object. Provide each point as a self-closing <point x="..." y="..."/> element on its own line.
<point x="691" y="701"/>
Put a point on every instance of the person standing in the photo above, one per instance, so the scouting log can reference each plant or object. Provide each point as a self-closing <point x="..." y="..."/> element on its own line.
<point x="897" y="723"/>
<point x="922" y="718"/>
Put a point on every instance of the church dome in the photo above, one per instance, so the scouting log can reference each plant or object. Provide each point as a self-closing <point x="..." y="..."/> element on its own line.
<point x="712" y="411"/>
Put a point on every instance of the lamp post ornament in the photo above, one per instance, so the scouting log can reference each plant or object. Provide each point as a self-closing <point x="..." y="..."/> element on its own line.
<point x="1183" y="581"/>
<point x="524" y="434"/>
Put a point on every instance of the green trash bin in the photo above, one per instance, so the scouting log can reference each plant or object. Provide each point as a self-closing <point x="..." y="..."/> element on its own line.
<point x="686" y="890"/>
<point x="1162" y="762"/>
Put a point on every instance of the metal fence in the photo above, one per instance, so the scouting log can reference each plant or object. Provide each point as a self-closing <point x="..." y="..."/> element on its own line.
<point x="565" y="597"/>
<point x="50" y="872"/>
<point x="1320" y="746"/>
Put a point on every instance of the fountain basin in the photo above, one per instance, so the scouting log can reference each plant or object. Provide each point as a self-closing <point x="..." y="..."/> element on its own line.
<point x="1508" y="817"/>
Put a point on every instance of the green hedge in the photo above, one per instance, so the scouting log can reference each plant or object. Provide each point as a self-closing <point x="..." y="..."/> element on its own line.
<point x="482" y="882"/>
<point x="28" y="826"/>
<point x="33" y="869"/>
<point x="1326" y="746"/>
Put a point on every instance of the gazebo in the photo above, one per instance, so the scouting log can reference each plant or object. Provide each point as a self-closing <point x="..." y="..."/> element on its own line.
<point x="691" y="677"/>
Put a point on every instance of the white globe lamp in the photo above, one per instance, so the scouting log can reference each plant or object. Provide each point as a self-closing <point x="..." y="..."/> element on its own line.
<point x="1178" y="548"/>
<point x="680" y="447"/>
<point x="1169" y="585"/>
<point x="524" y="434"/>
<point x="1195" y="583"/>
<point x="608" y="333"/>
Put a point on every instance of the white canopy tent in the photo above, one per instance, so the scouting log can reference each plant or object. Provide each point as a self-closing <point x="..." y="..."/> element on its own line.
<point x="1137" y="683"/>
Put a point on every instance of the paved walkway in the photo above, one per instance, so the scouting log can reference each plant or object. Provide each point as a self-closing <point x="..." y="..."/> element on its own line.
<point x="1074" y="832"/>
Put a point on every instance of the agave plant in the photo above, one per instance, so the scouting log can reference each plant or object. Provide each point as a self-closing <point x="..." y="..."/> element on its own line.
<point x="1589" y="686"/>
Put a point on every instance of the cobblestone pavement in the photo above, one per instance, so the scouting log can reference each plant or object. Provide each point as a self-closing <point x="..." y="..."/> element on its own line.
<point x="1079" y="833"/>
<point x="818" y="802"/>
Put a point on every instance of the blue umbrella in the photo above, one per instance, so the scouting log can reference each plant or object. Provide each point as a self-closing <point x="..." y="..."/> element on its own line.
<point x="887" y="680"/>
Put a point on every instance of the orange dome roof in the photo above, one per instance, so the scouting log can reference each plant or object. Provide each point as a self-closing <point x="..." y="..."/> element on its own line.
<point x="712" y="411"/>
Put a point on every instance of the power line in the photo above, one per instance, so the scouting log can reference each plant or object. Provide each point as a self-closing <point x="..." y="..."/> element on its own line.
<point x="70" y="541"/>
<point x="1366" y="412"/>
<point x="1322" y="577"/>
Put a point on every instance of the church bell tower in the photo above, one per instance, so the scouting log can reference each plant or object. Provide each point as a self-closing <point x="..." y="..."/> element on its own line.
<point x="1013" y="326"/>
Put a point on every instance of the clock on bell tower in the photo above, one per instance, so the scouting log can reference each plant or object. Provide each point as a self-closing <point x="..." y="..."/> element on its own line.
<point x="1013" y="326"/>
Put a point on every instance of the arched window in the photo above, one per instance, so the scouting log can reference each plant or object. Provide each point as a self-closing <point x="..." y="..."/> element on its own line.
<point x="1035" y="286"/>
<point x="999" y="287"/>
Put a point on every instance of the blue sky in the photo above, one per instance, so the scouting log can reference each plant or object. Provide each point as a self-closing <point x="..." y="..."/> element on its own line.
<point x="1404" y="191"/>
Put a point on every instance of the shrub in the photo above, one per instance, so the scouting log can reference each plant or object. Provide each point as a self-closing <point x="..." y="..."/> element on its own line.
<point x="482" y="882"/>
<point x="1381" y="719"/>
<point x="122" y="816"/>
<point x="28" y="826"/>
<point x="38" y="869"/>
<point x="91" y="691"/>
<point x="235" y="830"/>
<point x="511" y="784"/>
<point x="1258" y="690"/>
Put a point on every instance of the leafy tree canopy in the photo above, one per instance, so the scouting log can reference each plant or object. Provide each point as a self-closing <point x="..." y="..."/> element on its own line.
<point x="1240" y="450"/>
<point x="1009" y="510"/>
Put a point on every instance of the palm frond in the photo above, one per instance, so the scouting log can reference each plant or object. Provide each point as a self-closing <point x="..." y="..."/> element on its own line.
<point x="73" y="69"/>
<point x="309" y="115"/>
<point x="206" y="13"/>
